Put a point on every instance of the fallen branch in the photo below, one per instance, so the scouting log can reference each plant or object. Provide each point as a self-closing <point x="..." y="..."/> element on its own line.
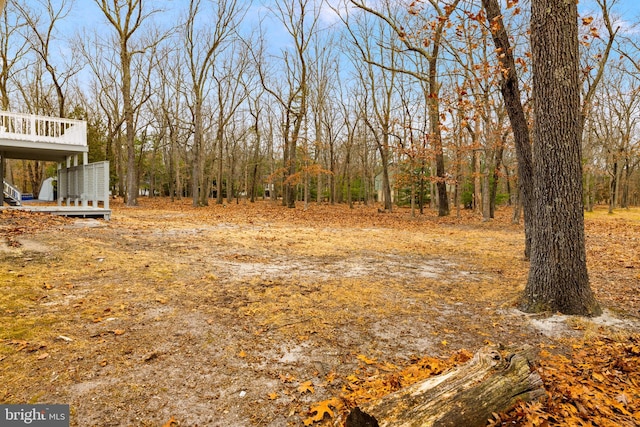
<point x="465" y="396"/>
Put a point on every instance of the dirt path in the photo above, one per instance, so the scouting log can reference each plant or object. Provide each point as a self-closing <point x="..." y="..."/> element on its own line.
<point x="246" y="315"/>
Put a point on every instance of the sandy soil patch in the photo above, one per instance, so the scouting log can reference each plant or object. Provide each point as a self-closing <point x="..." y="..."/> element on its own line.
<point x="220" y="316"/>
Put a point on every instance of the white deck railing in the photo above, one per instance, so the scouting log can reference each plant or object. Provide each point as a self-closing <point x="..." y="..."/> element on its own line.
<point x="84" y="184"/>
<point x="12" y="192"/>
<point x="32" y="128"/>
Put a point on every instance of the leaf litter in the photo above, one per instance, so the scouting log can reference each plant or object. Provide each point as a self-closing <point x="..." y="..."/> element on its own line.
<point x="173" y="313"/>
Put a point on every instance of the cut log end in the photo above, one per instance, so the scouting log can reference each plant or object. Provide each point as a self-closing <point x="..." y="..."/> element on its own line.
<point x="357" y="418"/>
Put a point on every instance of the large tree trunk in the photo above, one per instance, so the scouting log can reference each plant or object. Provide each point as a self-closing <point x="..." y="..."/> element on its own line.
<point x="132" y="172"/>
<point x="613" y="187"/>
<point x="386" y="178"/>
<point x="196" y="173"/>
<point x="436" y="134"/>
<point x="493" y="190"/>
<point x="477" y="184"/>
<point x="465" y="396"/>
<point x="627" y="179"/>
<point x="558" y="279"/>
<point x="220" y="170"/>
<point x="513" y="103"/>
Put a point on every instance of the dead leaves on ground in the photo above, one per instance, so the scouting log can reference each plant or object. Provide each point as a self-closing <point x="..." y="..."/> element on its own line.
<point x="591" y="381"/>
<point x="306" y="387"/>
<point x="171" y="423"/>
<point x="613" y="256"/>
<point x="319" y="410"/>
<point x="23" y="345"/>
<point x="14" y="223"/>
<point x="598" y="384"/>
<point x="375" y="379"/>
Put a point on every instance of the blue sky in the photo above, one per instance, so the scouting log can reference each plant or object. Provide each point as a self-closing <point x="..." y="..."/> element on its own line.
<point x="626" y="11"/>
<point x="86" y="14"/>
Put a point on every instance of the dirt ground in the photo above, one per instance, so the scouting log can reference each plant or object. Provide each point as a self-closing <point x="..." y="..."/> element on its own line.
<point x="247" y="314"/>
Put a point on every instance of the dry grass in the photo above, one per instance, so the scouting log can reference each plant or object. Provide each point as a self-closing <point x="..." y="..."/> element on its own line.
<point x="172" y="311"/>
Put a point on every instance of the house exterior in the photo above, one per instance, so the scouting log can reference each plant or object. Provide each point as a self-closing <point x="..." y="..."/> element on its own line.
<point x="32" y="137"/>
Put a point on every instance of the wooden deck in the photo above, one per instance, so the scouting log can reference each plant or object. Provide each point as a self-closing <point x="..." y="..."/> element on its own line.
<point x="32" y="137"/>
<point x="71" y="211"/>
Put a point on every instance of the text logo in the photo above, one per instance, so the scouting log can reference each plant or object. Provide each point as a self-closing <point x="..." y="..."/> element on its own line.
<point x="34" y="415"/>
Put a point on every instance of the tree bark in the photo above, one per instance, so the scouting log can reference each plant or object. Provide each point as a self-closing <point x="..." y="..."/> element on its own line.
<point x="493" y="189"/>
<point x="513" y="103"/>
<point x="465" y="396"/>
<point x="558" y="279"/>
<point x="433" y="105"/>
<point x="386" y="178"/>
<point x="477" y="184"/>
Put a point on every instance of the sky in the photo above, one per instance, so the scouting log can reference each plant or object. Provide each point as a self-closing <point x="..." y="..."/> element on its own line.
<point x="627" y="12"/>
<point x="86" y="15"/>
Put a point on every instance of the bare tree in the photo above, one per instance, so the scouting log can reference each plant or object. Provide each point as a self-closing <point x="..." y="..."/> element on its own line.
<point x="126" y="18"/>
<point x="103" y="61"/>
<point x="427" y="47"/>
<point x="203" y="44"/>
<point x="379" y="84"/>
<point x="172" y="103"/>
<point x="41" y="38"/>
<point x="510" y="89"/>
<point x="256" y="109"/>
<point x="614" y="123"/>
<point x="320" y="144"/>
<point x="590" y="79"/>
<point x="12" y="50"/>
<point x="300" y="20"/>
<point x="351" y="117"/>
<point x="231" y="92"/>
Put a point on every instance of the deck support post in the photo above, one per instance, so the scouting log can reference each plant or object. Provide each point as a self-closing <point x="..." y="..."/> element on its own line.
<point x="2" y="177"/>
<point x="85" y="180"/>
<point x="107" y="196"/>
<point x="68" y="166"/>
<point x="59" y="193"/>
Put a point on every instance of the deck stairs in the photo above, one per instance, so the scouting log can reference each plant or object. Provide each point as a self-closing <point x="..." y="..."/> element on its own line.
<point x="11" y="195"/>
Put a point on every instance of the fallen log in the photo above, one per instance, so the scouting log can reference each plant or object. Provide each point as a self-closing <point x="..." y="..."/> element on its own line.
<point x="465" y="396"/>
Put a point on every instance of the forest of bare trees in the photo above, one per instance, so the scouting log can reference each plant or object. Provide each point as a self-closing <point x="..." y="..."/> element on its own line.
<point x="337" y="101"/>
